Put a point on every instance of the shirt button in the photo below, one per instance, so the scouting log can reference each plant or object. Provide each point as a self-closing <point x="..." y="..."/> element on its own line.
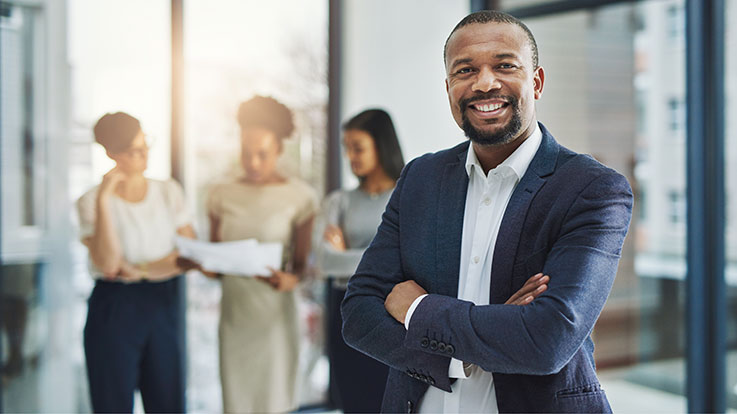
<point x="487" y="201"/>
<point x="476" y="259"/>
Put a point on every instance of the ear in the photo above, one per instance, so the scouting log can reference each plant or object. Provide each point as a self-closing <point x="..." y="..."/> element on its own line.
<point x="447" y="92"/>
<point x="539" y="81"/>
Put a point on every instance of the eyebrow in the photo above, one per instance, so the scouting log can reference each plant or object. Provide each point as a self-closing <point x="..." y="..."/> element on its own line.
<point x="460" y="61"/>
<point x="506" y="56"/>
<point x="498" y="56"/>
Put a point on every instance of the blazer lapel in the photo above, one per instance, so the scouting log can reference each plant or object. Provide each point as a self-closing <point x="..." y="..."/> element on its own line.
<point x="542" y="165"/>
<point x="451" y="207"/>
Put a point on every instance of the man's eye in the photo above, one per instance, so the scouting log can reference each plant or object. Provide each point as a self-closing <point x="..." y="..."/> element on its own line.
<point x="462" y="71"/>
<point x="507" y="66"/>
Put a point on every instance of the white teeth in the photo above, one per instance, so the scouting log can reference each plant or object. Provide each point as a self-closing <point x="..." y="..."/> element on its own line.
<point x="489" y="108"/>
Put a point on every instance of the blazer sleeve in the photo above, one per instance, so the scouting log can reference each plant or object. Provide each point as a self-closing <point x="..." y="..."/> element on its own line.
<point x="540" y="338"/>
<point x="367" y="326"/>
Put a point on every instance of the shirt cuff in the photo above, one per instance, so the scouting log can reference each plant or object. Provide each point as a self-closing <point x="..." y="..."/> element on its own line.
<point x="459" y="369"/>
<point x="411" y="310"/>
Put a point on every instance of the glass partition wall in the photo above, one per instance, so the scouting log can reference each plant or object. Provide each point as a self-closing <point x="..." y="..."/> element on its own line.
<point x="615" y="88"/>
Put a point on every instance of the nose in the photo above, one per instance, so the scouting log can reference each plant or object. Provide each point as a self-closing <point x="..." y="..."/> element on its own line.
<point x="253" y="163"/>
<point x="485" y="81"/>
<point x="351" y="155"/>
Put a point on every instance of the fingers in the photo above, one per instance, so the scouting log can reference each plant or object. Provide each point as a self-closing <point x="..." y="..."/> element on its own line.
<point x="533" y="288"/>
<point x="269" y="280"/>
<point x="534" y="279"/>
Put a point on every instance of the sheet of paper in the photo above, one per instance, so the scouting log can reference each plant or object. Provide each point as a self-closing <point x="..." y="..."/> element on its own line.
<point x="241" y="258"/>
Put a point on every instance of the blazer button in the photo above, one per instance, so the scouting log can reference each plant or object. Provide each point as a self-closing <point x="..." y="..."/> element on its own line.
<point x="423" y="377"/>
<point x="409" y="407"/>
<point x="432" y="380"/>
<point x="424" y="342"/>
<point x="408" y="372"/>
<point x="433" y="345"/>
<point x="441" y="346"/>
<point x="450" y="349"/>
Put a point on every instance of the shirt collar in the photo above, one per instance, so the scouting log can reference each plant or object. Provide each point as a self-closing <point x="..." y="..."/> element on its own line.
<point x="518" y="161"/>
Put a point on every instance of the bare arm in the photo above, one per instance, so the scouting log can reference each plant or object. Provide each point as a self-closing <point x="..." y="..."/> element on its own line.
<point x="302" y="236"/>
<point x="288" y="280"/>
<point x="157" y="270"/>
<point x="104" y="244"/>
<point x="214" y="229"/>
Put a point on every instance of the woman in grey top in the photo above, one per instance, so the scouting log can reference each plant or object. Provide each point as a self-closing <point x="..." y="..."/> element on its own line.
<point x="344" y="229"/>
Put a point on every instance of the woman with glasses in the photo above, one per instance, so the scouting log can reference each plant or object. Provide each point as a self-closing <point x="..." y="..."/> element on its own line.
<point x="129" y="223"/>
<point x="345" y="227"/>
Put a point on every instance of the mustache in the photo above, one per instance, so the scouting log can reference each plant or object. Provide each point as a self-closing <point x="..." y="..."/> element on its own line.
<point x="463" y="103"/>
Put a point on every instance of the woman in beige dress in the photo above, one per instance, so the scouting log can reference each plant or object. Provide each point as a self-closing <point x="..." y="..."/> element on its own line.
<point x="259" y="338"/>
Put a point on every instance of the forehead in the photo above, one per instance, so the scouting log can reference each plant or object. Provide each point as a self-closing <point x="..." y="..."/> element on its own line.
<point x="488" y="38"/>
<point x="139" y="139"/>
<point x="357" y="136"/>
<point x="258" y="138"/>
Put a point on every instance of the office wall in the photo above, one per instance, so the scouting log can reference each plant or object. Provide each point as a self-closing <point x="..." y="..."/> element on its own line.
<point x="392" y="58"/>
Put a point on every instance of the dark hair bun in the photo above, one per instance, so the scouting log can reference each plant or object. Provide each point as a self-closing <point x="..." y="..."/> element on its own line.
<point x="266" y="112"/>
<point x="115" y="132"/>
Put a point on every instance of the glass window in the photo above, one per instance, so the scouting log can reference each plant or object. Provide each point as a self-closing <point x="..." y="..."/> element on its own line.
<point x="731" y="198"/>
<point x="677" y="116"/>
<point x="23" y="141"/>
<point x="23" y="228"/>
<point x="676" y="23"/>
<point x="608" y="76"/>
<point x="232" y="51"/>
<point x="676" y="207"/>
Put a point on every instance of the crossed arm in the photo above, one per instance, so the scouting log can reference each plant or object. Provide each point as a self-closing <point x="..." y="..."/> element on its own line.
<point x="537" y="339"/>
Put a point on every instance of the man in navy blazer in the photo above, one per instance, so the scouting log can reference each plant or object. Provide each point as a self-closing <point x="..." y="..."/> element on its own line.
<point x="566" y="217"/>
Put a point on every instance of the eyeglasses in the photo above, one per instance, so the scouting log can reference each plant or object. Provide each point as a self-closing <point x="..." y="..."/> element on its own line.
<point x="136" y="152"/>
<point x="141" y="151"/>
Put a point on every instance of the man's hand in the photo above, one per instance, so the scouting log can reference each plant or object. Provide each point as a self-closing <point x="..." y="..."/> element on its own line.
<point x="534" y="286"/>
<point x="401" y="298"/>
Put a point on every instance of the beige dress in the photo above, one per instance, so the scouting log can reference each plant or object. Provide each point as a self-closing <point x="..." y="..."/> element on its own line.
<point x="259" y="337"/>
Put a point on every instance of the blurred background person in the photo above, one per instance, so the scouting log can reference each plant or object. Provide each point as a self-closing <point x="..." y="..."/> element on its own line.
<point x="345" y="227"/>
<point x="129" y="223"/>
<point x="259" y="335"/>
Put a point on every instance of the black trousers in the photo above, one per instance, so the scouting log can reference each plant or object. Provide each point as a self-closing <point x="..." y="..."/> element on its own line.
<point x="357" y="381"/>
<point x="132" y="341"/>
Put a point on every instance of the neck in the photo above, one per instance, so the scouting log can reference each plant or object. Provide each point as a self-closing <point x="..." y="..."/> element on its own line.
<point x="490" y="156"/>
<point x="377" y="182"/>
<point x="132" y="188"/>
<point x="272" y="179"/>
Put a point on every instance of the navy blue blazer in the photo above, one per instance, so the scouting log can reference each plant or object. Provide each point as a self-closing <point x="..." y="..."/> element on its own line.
<point x="567" y="217"/>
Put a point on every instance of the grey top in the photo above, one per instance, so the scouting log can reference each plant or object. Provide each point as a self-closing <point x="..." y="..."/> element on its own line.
<point x="358" y="215"/>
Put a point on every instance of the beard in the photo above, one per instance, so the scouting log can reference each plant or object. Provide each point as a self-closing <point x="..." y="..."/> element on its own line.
<point x="504" y="135"/>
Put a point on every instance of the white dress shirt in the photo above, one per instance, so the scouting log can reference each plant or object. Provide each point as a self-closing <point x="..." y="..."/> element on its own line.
<point x="486" y="201"/>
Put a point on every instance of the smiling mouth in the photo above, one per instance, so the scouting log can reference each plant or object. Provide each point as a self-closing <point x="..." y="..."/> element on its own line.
<point x="488" y="108"/>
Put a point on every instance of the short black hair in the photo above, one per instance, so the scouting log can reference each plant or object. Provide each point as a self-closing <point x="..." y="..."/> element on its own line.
<point x="115" y="132"/>
<point x="378" y="124"/>
<point x="493" y="16"/>
<point x="266" y="112"/>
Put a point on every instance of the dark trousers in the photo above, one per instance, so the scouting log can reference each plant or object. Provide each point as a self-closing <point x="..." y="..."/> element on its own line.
<point x="132" y="341"/>
<point x="357" y="381"/>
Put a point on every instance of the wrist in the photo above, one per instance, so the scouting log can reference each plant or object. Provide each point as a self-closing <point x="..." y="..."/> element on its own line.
<point x="143" y="271"/>
<point x="102" y="198"/>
